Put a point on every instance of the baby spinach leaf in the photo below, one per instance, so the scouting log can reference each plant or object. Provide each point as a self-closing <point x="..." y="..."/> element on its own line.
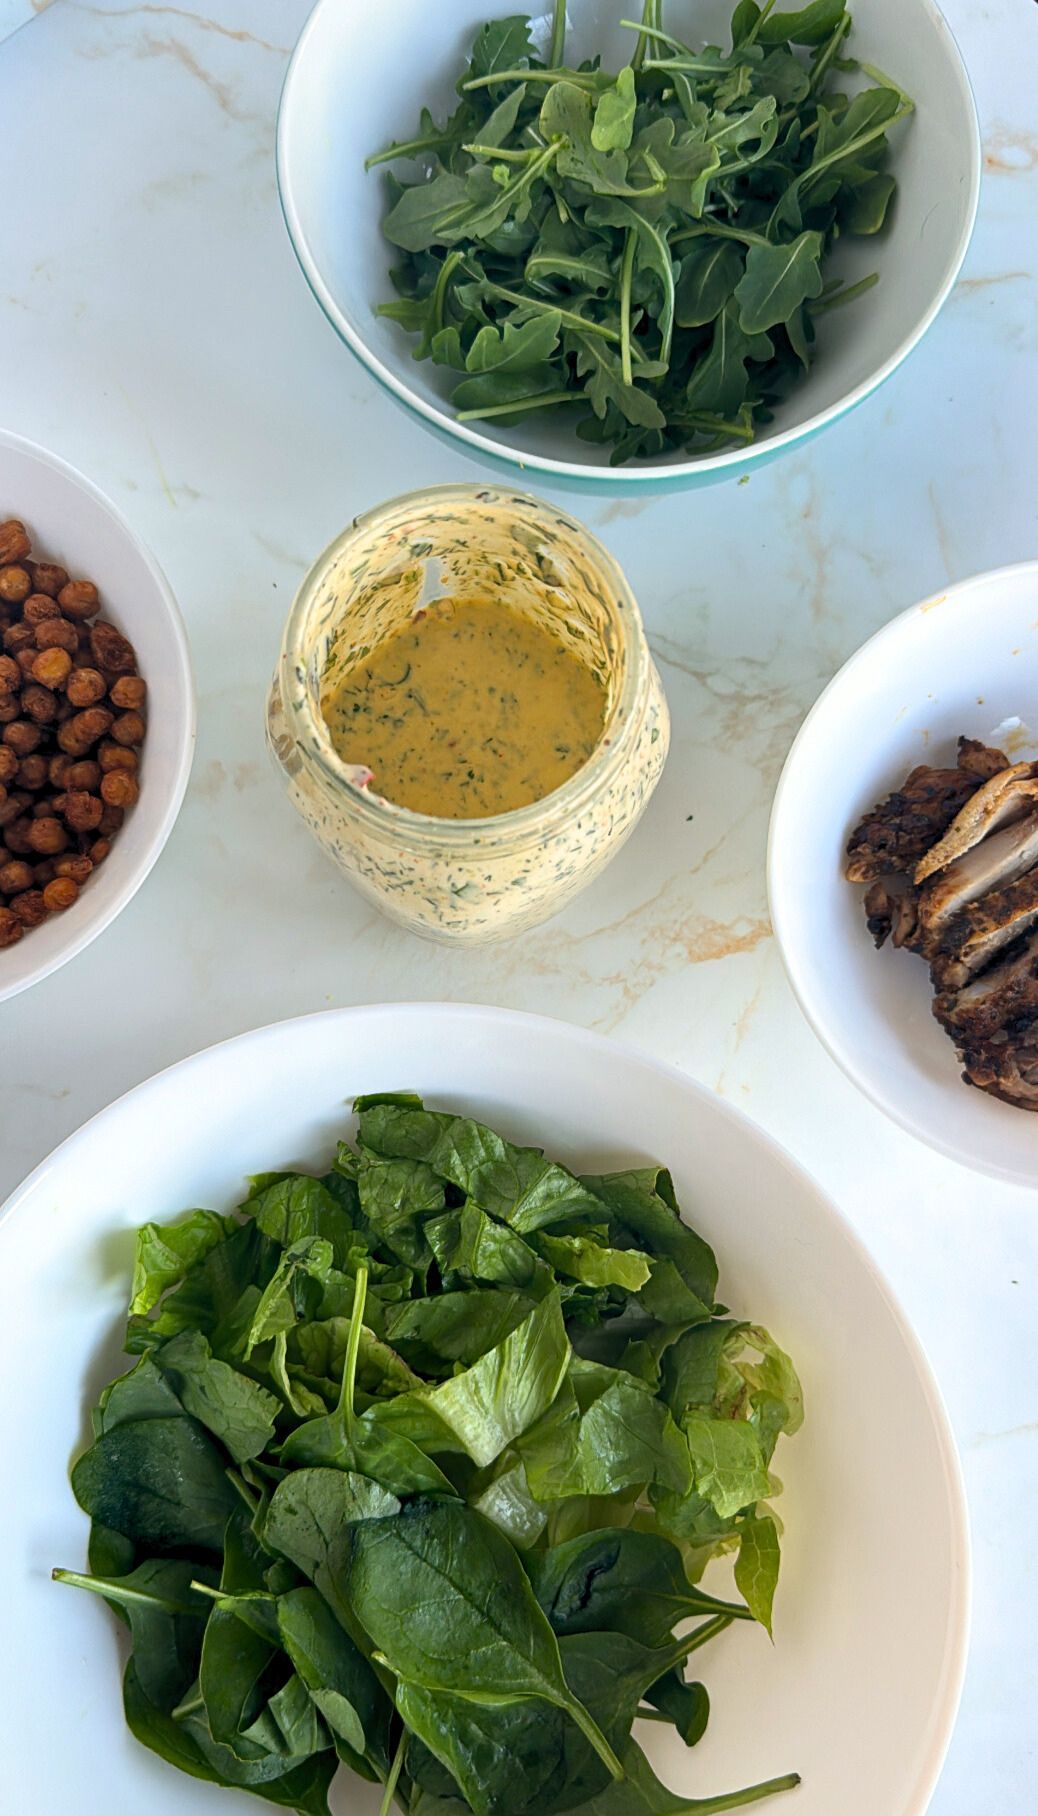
<point x="757" y="1567"/>
<point x="211" y="1291"/>
<point x="728" y="1466"/>
<point x="641" y="1794"/>
<point x="143" y="1393"/>
<point x="468" y="1242"/>
<point x="166" y="1618"/>
<point x="668" y="1299"/>
<point x="686" y="1706"/>
<point x="295" y="1206"/>
<point x="474" y="1631"/>
<point x="488" y="1405"/>
<point x="311" y="1511"/>
<point x="517" y="1185"/>
<point x="645" y="1209"/>
<point x="165" y="1252"/>
<point x="281" y="1301"/>
<point x="235" y="1409"/>
<point x="587" y="1260"/>
<point x="395" y="1198"/>
<point x="159" y="1481"/>
<point x="619" y="1580"/>
<point x="338" y="1677"/>
<point x="434" y="1334"/>
<point x="622" y="1438"/>
<point x="507" y="1502"/>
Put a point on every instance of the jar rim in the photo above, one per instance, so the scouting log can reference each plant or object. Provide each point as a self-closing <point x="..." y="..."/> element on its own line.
<point x="518" y="822"/>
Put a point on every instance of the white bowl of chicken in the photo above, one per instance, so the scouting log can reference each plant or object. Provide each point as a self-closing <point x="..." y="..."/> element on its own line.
<point x="907" y="818"/>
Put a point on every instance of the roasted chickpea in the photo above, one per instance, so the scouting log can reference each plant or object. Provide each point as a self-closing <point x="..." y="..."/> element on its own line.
<point x="39" y="704"/>
<point x="10" y="673"/>
<point x="17" y="636"/>
<point x="99" y="850"/>
<point x="25" y="659"/>
<point x="110" y="821"/>
<point x="128" y="729"/>
<point x="9" y="708"/>
<point x="116" y="756"/>
<point x="52" y="668"/>
<point x="129" y="692"/>
<point x="86" y="686"/>
<point x="38" y="607"/>
<point x="56" y="633"/>
<point x="47" y="836"/>
<point x="16" y="835"/>
<point x="29" y="907"/>
<point x="14" y="541"/>
<point x="11" y="928"/>
<point x="119" y="788"/>
<point x="83" y="776"/>
<point x="82" y="811"/>
<point x="79" y="599"/>
<point x="22" y="736"/>
<point x="32" y="771"/>
<point x="15" y="804"/>
<point x="47" y="577"/>
<point x="79" y="733"/>
<point x="15" y="584"/>
<point x="60" y="894"/>
<point x="113" y="653"/>
<point x="15" y="876"/>
<point x="78" y="868"/>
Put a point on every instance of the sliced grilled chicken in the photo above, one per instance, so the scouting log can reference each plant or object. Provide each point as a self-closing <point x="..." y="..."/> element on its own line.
<point x="901" y="829"/>
<point x="981" y="759"/>
<point x="973" y="938"/>
<point x="891" y="906"/>
<point x="1007" y="990"/>
<point x="1005" y="797"/>
<point x="992" y="864"/>
<point x="1007" y="1065"/>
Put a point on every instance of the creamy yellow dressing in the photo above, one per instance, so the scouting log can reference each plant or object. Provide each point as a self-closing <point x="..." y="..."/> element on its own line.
<point x="469" y="710"/>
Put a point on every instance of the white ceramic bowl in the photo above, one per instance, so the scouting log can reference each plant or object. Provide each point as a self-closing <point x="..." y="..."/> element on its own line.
<point x="357" y="80"/>
<point x="959" y="663"/>
<point x="70" y="521"/>
<point x="858" y="1692"/>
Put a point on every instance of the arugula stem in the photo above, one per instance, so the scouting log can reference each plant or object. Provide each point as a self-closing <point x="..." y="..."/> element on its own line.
<point x="737" y="1800"/>
<point x="579" y="78"/>
<point x="569" y="316"/>
<point x="837" y="298"/>
<point x="847" y="151"/>
<point x="594" y="1736"/>
<point x="825" y="56"/>
<point x="497" y="153"/>
<point x="540" y="401"/>
<point x="751" y="36"/>
<point x="717" y="230"/>
<point x="653" y="31"/>
<point x="626" y="275"/>
<point x="349" y="1371"/>
<point x="645" y="32"/>
<point x="439" y="296"/>
<point x="408" y="148"/>
<point x="558" y="35"/>
<point x="394" y="1775"/>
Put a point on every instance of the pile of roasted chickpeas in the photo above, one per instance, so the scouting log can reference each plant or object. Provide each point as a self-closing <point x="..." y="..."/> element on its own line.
<point x="71" y="728"/>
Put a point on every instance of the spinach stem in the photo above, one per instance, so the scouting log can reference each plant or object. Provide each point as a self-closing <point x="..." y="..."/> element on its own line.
<point x="737" y="1800"/>
<point x="593" y="1734"/>
<point x="349" y="1372"/>
<point x="626" y="275"/>
<point x="394" y="1775"/>
<point x="100" y="1587"/>
<point x="187" y="1707"/>
<point x="558" y="35"/>
<point x="701" y="1636"/>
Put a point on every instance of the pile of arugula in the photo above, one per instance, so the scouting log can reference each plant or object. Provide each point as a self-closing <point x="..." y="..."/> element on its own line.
<point x="649" y="246"/>
<point x="417" y="1471"/>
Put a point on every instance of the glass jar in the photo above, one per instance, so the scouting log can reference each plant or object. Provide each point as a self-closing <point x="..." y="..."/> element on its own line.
<point x="468" y="881"/>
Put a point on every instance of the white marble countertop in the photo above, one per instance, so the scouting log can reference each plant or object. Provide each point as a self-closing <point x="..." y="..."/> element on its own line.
<point x="154" y="329"/>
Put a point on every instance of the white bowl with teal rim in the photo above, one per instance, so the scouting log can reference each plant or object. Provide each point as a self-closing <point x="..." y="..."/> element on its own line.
<point x="357" y="80"/>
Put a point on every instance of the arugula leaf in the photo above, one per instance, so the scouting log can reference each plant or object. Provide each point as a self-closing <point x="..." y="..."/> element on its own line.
<point x="777" y="279"/>
<point x="810" y="25"/>
<point x="710" y="271"/>
<point x="607" y="386"/>
<point x="613" y="127"/>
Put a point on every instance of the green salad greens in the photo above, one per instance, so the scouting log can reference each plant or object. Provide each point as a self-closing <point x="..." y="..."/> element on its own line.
<point x="647" y="248"/>
<point x="417" y="1471"/>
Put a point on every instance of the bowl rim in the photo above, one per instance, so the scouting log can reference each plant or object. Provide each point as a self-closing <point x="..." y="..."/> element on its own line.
<point x="352" y="1019"/>
<point x="652" y="473"/>
<point x="103" y="918"/>
<point x="783" y="899"/>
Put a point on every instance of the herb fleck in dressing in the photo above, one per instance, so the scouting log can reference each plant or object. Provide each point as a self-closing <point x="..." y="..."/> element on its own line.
<point x="470" y="710"/>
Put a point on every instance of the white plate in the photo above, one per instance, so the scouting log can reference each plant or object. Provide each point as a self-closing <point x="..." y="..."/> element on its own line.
<point x="71" y="521"/>
<point x="860" y="1689"/>
<point x="961" y="662"/>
